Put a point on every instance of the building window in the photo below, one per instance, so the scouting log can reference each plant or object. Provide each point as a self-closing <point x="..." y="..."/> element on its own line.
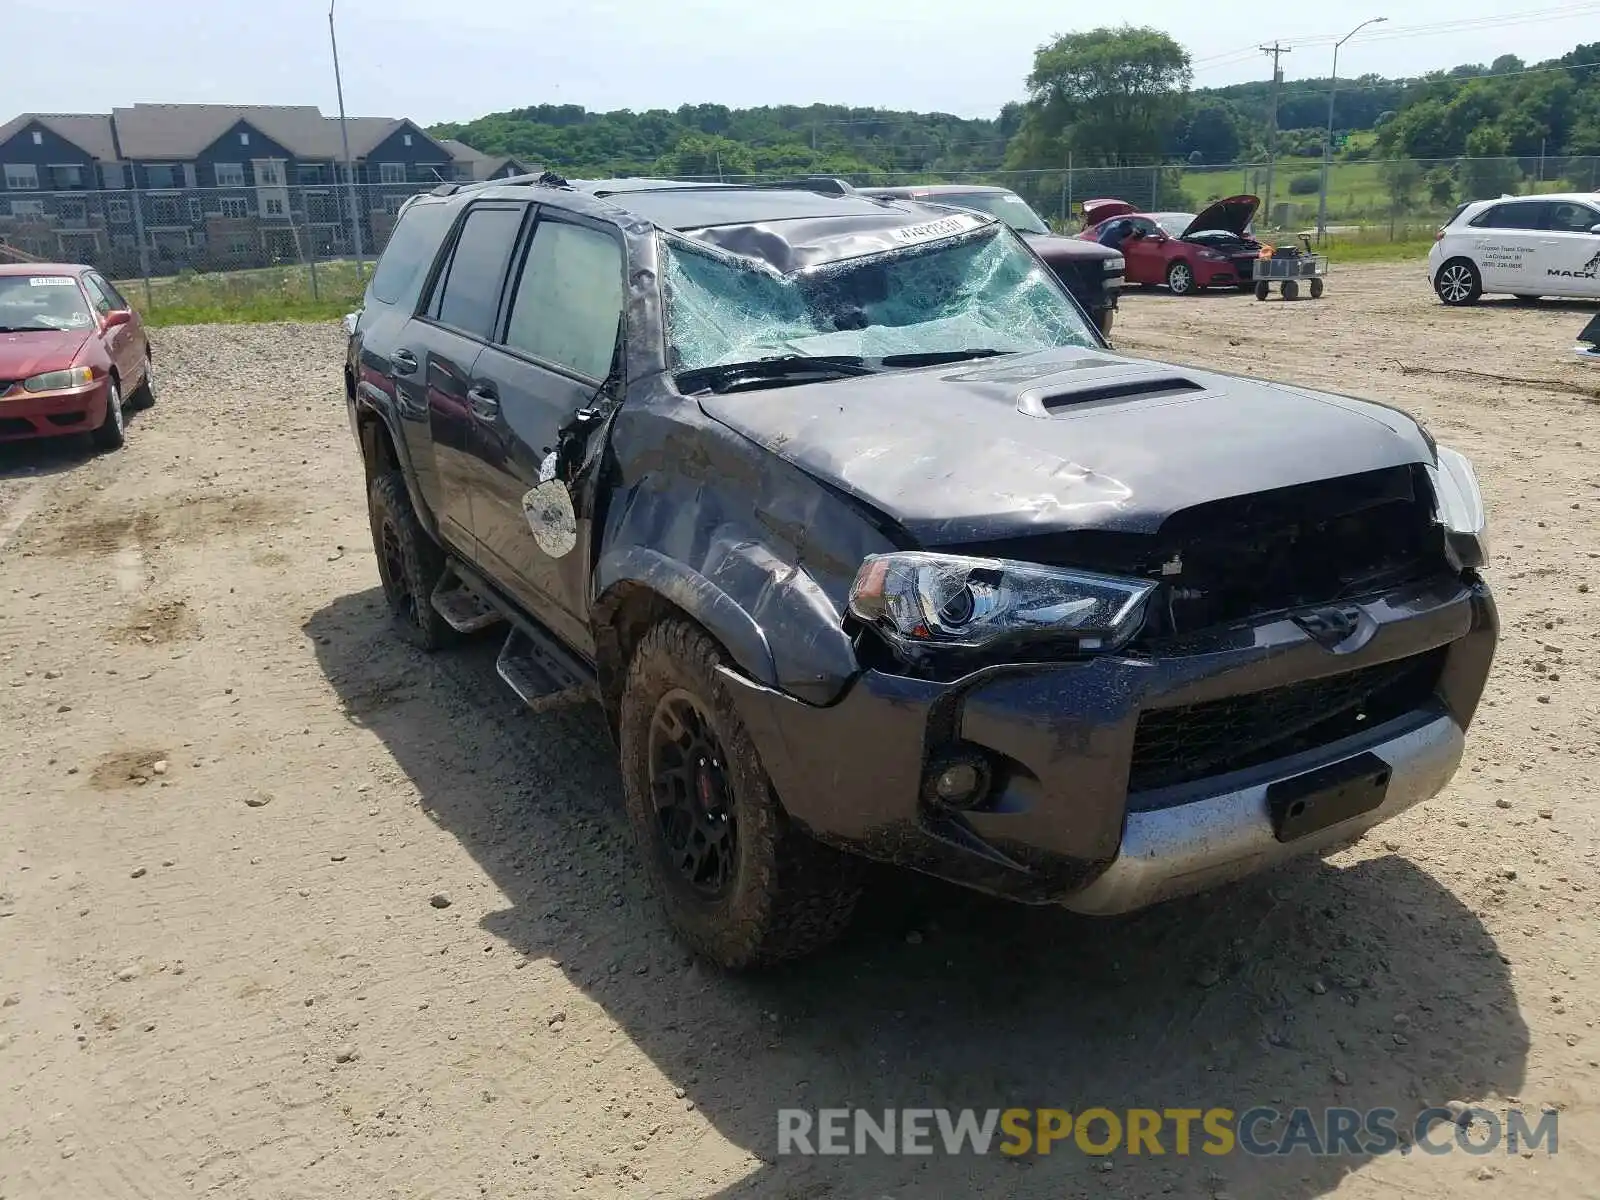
<point x="27" y="208"/>
<point x="272" y="207"/>
<point x="67" y="178"/>
<point x="38" y="138"/>
<point x="239" y="245"/>
<point x="194" y="209"/>
<point x="160" y="175"/>
<point x="72" y="212"/>
<point x="311" y="174"/>
<point x="407" y="139"/>
<point x="229" y="174"/>
<point x="244" y="139"/>
<point x="236" y="207"/>
<point x="112" y="174"/>
<point x="269" y="172"/>
<point x="391" y="172"/>
<point x="164" y="210"/>
<point x="118" y="212"/>
<point x="22" y="177"/>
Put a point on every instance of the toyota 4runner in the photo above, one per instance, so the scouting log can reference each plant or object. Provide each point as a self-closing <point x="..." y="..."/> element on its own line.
<point x="869" y="547"/>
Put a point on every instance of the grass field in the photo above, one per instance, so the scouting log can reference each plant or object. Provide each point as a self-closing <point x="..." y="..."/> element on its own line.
<point x="286" y="293"/>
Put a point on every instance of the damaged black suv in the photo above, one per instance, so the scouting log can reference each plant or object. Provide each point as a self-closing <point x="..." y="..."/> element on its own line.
<point x="869" y="547"/>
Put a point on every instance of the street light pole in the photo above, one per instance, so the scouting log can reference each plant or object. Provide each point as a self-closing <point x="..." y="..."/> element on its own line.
<point x="1327" y="143"/>
<point x="349" y="166"/>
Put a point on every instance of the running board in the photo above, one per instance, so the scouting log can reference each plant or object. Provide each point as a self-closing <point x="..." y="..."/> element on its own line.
<point x="543" y="674"/>
<point x="462" y="608"/>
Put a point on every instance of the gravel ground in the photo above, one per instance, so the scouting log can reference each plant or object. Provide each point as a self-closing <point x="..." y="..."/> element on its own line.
<point x="287" y="910"/>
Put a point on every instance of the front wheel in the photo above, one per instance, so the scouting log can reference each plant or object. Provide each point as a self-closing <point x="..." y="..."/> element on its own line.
<point x="1458" y="283"/>
<point x="739" y="883"/>
<point x="1291" y="290"/>
<point x="112" y="431"/>
<point x="1180" y="278"/>
<point x="1263" y="290"/>
<point x="1104" y="321"/>
<point x="1316" y="289"/>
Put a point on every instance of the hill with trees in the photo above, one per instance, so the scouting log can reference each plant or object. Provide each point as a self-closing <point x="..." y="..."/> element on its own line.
<point x="1107" y="97"/>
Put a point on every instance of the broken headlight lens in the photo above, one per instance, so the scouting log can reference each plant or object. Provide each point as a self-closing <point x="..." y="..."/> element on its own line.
<point x="917" y="599"/>
<point x="1460" y="507"/>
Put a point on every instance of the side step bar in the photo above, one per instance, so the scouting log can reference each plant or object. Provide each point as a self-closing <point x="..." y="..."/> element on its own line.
<point x="462" y="608"/>
<point x="542" y="673"/>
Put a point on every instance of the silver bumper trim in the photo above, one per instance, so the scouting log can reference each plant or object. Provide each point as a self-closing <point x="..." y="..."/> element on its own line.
<point x="1191" y="847"/>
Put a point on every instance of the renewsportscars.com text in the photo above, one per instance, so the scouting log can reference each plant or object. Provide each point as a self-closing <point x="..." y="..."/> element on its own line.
<point x="1259" y="1131"/>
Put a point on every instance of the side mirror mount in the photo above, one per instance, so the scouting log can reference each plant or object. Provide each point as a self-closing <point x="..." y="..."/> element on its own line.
<point x="117" y="316"/>
<point x="1594" y="229"/>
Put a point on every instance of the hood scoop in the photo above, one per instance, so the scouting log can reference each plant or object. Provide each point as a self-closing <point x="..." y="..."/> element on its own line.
<point x="1069" y="401"/>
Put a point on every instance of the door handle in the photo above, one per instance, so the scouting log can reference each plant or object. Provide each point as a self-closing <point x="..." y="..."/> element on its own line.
<point x="485" y="402"/>
<point x="405" y="362"/>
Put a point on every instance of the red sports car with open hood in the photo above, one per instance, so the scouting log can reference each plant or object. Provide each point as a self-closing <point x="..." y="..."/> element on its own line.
<point x="1184" y="251"/>
<point x="72" y="353"/>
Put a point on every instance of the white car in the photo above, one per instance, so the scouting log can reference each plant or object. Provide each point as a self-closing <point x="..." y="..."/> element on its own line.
<point x="1524" y="246"/>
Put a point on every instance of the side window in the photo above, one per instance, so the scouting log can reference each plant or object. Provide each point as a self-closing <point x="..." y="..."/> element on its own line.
<point x="1567" y="217"/>
<point x="104" y="284"/>
<point x="1525" y="214"/>
<point x="467" y="296"/>
<point x="97" y="297"/>
<point x="406" y="259"/>
<point x="569" y="299"/>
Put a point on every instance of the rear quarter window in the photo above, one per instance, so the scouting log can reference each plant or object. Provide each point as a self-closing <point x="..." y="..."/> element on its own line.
<point x="405" y="260"/>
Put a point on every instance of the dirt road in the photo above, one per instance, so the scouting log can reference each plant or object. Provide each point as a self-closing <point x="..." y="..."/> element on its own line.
<point x="287" y="910"/>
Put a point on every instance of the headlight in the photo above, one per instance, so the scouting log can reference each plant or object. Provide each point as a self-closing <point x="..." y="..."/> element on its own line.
<point x="55" y="381"/>
<point x="1114" y="265"/>
<point x="919" y="600"/>
<point x="1459" y="503"/>
<point x="1212" y="254"/>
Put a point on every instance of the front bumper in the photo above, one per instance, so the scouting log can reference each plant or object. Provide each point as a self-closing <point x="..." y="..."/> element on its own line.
<point x="25" y="415"/>
<point x="1065" y="739"/>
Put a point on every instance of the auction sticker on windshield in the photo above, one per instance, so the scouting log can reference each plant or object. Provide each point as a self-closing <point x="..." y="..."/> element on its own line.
<point x="49" y="281"/>
<point x="933" y="230"/>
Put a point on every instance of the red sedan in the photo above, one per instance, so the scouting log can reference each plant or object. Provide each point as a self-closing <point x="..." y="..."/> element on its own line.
<point x="1184" y="251"/>
<point x="72" y="353"/>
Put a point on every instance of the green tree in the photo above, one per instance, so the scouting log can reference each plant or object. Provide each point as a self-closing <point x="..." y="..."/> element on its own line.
<point x="1108" y="97"/>
<point x="1400" y="177"/>
<point x="1441" y="185"/>
<point x="706" y="156"/>
<point x="1486" y="172"/>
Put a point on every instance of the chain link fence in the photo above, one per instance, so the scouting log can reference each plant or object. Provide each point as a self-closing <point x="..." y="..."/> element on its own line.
<point x="206" y="249"/>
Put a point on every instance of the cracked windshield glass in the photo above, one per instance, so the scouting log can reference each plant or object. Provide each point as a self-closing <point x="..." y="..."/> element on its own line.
<point x="981" y="293"/>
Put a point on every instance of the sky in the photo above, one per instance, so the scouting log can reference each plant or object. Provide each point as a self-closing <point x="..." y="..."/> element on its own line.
<point x="436" y="61"/>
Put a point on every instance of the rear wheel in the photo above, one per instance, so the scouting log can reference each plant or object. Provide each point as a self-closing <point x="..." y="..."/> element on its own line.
<point x="1263" y="290"/>
<point x="1180" y="278"/>
<point x="410" y="563"/>
<point x="1458" y="282"/>
<point x="1316" y="289"/>
<point x="112" y="430"/>
<point x="739" y="883"/>
<point x="1291" y="289"/>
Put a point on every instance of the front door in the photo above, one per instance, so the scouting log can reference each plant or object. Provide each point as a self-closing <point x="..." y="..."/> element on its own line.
<point x="552" y="361"/>
<point x="119" y="340"/>
<point x="441" y="347"/>
<point x="1147" y="263"/>
<point x="1570" y="253"/>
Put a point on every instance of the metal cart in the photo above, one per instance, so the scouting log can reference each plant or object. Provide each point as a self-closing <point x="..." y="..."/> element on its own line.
<point x="1287" y="266"/>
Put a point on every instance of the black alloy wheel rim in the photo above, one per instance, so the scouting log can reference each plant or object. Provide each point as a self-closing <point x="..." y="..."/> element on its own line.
<point x="691" y="792"/>
<point x="394" y="572"/>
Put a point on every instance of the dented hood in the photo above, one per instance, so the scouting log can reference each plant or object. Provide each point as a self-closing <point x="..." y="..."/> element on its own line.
<point x="1062" y="439"/>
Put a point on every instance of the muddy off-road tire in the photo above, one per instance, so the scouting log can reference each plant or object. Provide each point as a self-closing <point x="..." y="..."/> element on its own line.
<point x="740" y="884"/>
<point x="409" y="563"/>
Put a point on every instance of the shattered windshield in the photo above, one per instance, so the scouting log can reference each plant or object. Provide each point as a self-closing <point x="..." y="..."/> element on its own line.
<point x="1008" y="206"/>
<point x="984" y="293"/>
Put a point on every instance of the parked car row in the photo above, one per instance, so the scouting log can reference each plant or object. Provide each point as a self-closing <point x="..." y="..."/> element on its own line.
<point x="870" y="547"/>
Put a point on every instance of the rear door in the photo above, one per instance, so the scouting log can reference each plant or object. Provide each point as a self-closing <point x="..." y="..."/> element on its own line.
<point x="551" y="358"/>
<point x="440" y="346"/>
<point x="1570" y="253"/>
<point x="1507" y="246"/>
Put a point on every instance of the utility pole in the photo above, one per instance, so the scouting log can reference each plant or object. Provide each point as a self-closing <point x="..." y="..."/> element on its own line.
<point x="1327" y="144"/>
<point x="349" y="165"/>
<point x="1277" y="52"/>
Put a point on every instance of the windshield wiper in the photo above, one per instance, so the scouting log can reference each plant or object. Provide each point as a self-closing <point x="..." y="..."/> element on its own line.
<point x="778" y="370"/>
<point x="934" y="358"/>
<point x="27" y="329"/>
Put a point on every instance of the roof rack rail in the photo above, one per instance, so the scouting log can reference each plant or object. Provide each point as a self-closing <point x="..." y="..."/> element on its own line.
<point x="821" y="184"/>
<point x="543" y="179"/>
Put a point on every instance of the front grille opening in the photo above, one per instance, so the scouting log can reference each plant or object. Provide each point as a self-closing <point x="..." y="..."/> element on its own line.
<point x="1214" y="737"/>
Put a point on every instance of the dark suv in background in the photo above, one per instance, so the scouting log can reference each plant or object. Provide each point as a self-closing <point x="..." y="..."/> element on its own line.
<point x="867" y="545"/>
<point x="1092" y="273"/>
